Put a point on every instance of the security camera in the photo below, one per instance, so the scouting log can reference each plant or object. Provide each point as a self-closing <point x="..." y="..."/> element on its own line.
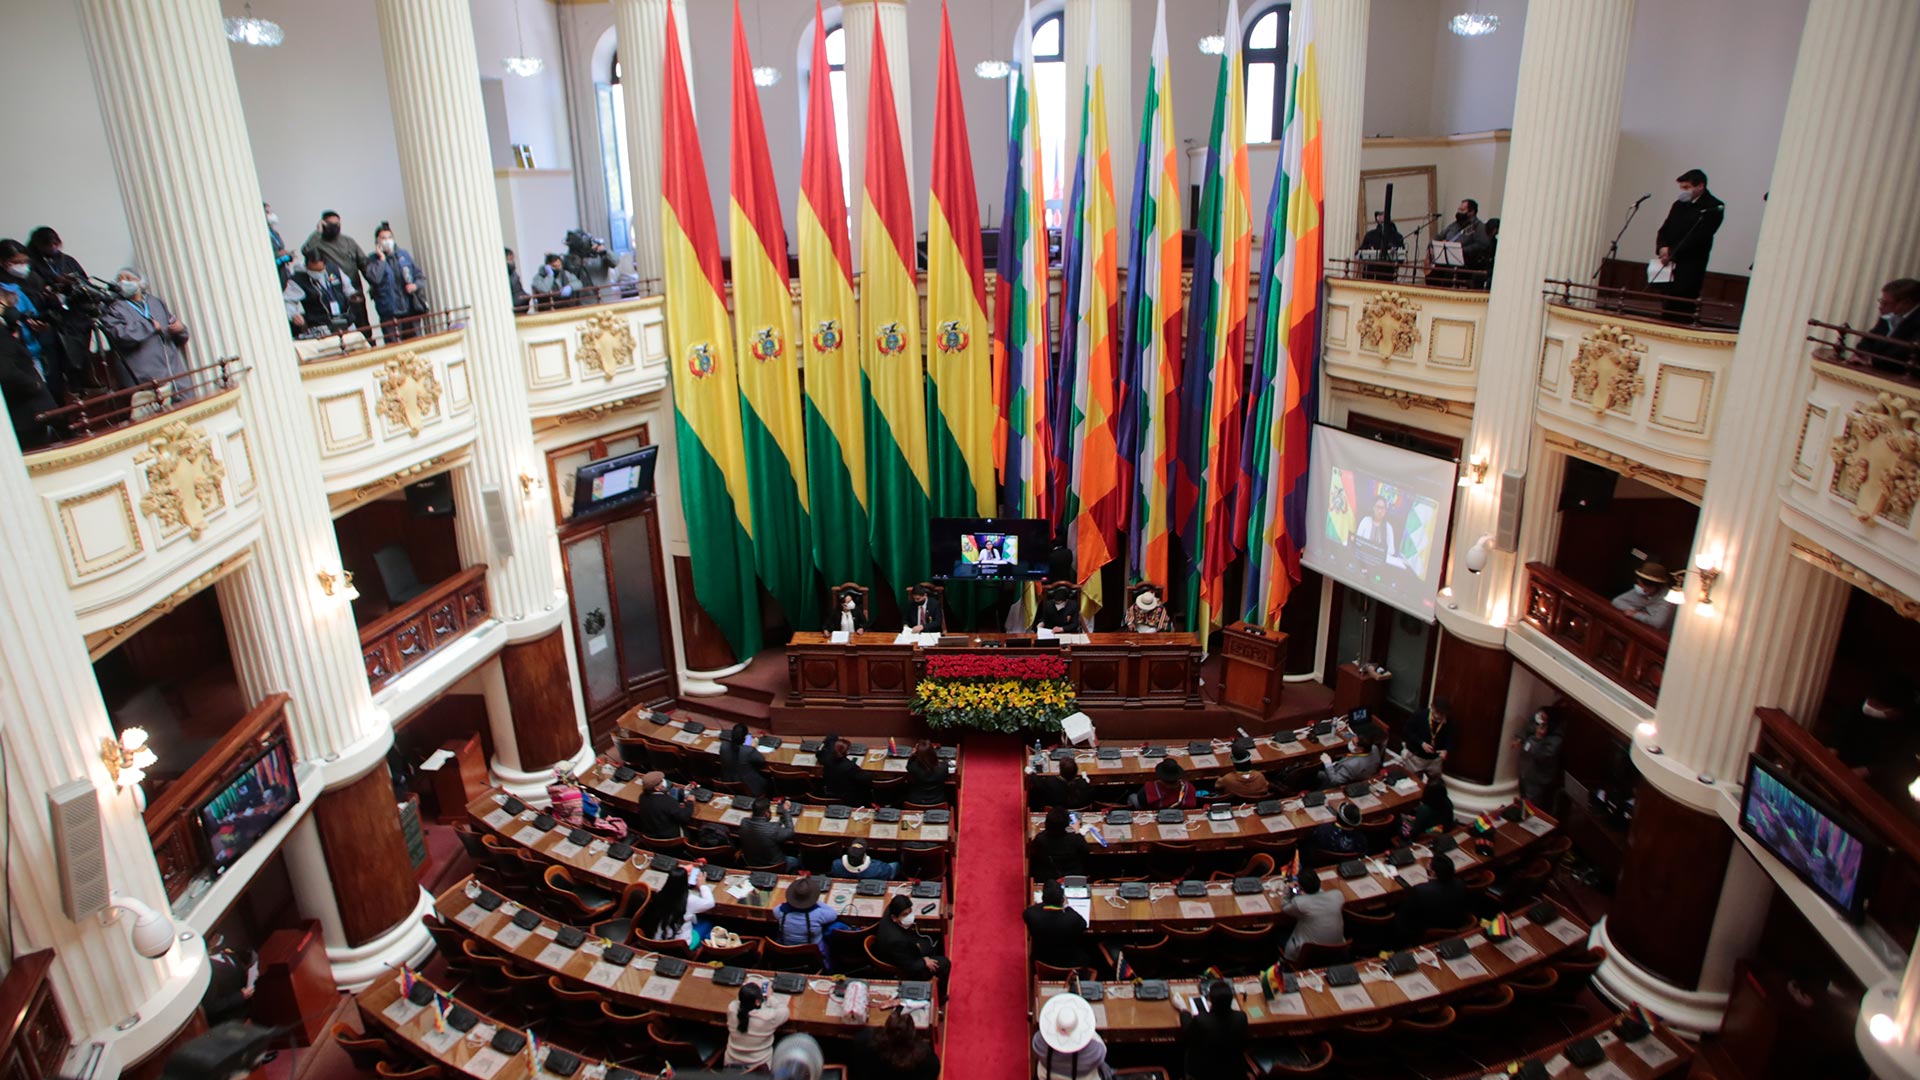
<point x="1478" y="554"/>
<point x="152" y="932"/>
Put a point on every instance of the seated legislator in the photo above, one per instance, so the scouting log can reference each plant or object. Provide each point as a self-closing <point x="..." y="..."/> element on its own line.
<point x="841" y="778"/>
<point x="1068" y="790"/>
<point x="1341" y="836"/>
<point x="1214" y="1034"/>
<point x="857" y="864"/>
<point x="1067" y="1046"/>
<point x="924" y="615"/>
<point x="1646" y="603"/>
<point x="1245" y="783"/>
<point x="673" y="913"/>
<point x="664" y="809"/>
<point x="849" y="613"/>
<point x="894" y="1051"/>
<point x="752" y="1021"/>
<point x="1439" y="903"/>
<point x="763" y="840"/>
<point x="1058" y="851"/>
<point x="801" y="919"/>
<point x="1898" y="321"/>
<point x="1058" y="933"/>
<point x="1434" y="814"/>
<point x="896" y="942"/>
<point x="1168" y="790"/>
<point x="926" y="775"/>
<point x="573" y="806"/>
<point x="1147" y="614"/>
<point x="1361" y="762"/>
<point x="1060" y="610"/>
<point x="741" y="764"/>
<point x="1318" y="916"/>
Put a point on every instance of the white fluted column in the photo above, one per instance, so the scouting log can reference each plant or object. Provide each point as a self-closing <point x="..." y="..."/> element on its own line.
<point x="1566" y="128"/>
<point x="1826" y="245"/>
<point x="1113" y="27"/>
<point x="1888" y="1028"/>
<point x="440" y="126"/>
<point x="1340" y="46"/>
<point x="172" y="111"/>
<point x="641" y="28"/>
<point x="858" y="18"/>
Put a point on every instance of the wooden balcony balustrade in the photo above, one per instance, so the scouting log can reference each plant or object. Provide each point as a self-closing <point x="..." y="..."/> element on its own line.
<point x="177" y="845"/>
<point x="1585" y="623"/>
<point x="407" y="635"/>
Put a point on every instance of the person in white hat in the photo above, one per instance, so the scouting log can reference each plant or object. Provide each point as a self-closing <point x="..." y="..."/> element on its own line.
<point x="1067" y="1047"/>
<point x="1147" y="615"/>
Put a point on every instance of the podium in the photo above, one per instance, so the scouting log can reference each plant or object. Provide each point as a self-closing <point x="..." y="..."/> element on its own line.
<point x="1353" y="690"/>
<point x="296" y="989"/>
<point x="459" y="779"/>
<point x="1253" y="663"/>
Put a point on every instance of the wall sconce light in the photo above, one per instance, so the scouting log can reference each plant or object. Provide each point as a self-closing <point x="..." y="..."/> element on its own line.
<point x="529" y="483"/>
<point x="338" y="585"/>
<point x="1677" y="591"/>
<point x="1913" y="789"/>
<point x="1473" y="471"/>
<point x="1706" y="569"/>
<point x="127" y="758"/>
<point x="1884" y="1029"/>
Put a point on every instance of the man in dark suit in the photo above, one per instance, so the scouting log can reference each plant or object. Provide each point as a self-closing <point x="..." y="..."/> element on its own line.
<point x="1439" y="903"/>
<point x="1685" y="240"/>
<point x="896" y="942"/>
<point x="1899" y="321"/>
<point x="923" y="612"/>
<point x="663" y="810"/>
<point x="1058" y="933"/>
<point x="1060" y="609"/>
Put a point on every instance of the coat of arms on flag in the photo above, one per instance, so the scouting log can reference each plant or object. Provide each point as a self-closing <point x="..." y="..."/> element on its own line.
<point x="889" y="339"/>
<point x="826" y="337"/>
<point x="952" y="337"/>
<point x="766" y="344"/>
<point x="700" y="360"/>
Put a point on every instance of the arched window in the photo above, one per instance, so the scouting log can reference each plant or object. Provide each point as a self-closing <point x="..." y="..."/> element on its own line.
<point x="836" y="47"/>
<point x="1264" y="51"/>
<point x="1049" y="58"/>
<point x="612" y="116"/>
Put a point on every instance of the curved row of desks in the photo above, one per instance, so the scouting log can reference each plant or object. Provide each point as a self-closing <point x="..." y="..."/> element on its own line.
<point x="696" y="740"/>
<point x="1201" y="760"/>
<point x="735" y="896"/>
<point x="809" y="822"/>
<point x="384" y="1009"/>
<point x="1204" y="830"/>
<point x="1656" y="1054"/>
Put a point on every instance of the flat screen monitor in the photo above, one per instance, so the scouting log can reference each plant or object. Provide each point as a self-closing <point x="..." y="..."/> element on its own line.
<point x="235" y="819"/>
<point x="1831" y="856"/>
<point x="1377" y="518"/>
<point x="615" y="481"/>
<point x="990" y="549"/>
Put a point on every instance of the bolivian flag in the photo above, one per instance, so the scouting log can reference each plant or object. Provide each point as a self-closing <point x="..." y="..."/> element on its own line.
<point x="770" y="416"/>
<point x="830" y="326"/>
<point x="890" y="346"/>
<point x="706" y="388"/>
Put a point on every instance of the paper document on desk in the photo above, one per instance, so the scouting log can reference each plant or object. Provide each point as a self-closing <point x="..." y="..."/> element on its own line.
<point x="1083" y="905"/>
<point x="1044" y="633"/>
<point x="839" y="637"/>
<point x="905" y="637"/>
<point x="1074" y="639"/>
<point x="435" y="760"/>
<point x="1658" y="273"/>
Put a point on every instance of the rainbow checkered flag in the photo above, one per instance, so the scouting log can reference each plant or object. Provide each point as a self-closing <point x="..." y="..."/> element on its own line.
<point x="1273" y="981"/>
<point x="1530" y="810"/>
<point x="1292" y="869"/>
<point x="1483" y="825"/>
<point x="1498" y="928"/>
<point x="406" y="980"/>
<point x="1121" y="971"/>
<point x="533" y="1049"/>
<point x="440" y="1013"/>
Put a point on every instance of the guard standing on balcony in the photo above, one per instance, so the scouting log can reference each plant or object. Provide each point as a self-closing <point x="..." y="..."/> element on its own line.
<point x="1685" y="240"/>
<point x="146" y="337"/>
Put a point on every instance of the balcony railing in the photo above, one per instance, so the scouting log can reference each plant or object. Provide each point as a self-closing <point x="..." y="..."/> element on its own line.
<point x="1863" y="350"/>
<point x="101" y="413"/>
<point x="1585" y="624"/>
<point x="177" y="845"/>
<point x="1650" y="306"/>
<point x="391" y="332"/>
<point x="612" y="292"/>
<point x="1396" y="272"/>
<point x="406" y="636"/>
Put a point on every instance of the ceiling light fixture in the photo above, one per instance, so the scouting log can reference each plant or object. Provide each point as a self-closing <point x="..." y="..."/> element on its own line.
<point x="127" y="758"/>
<point x="247" y="30"/>
<point x="1213" y="44"/>
<point x="765" y="76"/>
<point x="993" y="69"/>
<point x="1474" y="24"/>
<point x="522" y="64"/>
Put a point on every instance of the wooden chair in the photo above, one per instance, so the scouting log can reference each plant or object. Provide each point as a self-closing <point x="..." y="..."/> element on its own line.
<point x="803" y="958"/>
<point x="880" y="967"/>
<point x="1438" y="934"/>
<point x="888" y="790"/>
<point x="1372" y="929"/>
<point x="619" y="926"/>
<point x="745" y="954"/>
<point x="1574" y="973"/>
<point x="1313" y="956"/>
<point x="1188" y="949"/>
<point x="1169" y="862"/>
<point x="922" y="860"/>
<point x="631" y="750"/>
<point x="921" y="807"/>
<point x="719" y="855"/>
<point x="664" y="946"/>
<point x="489" y="980"/>
<point x="1517" y="888"/>
<point x="1260" y="865"/>
<point x="847" y="950"/>
<point x="1147" y="957"/>
<point x="364" y="1051"/>
<point x="1291" y="1058"/>
<point x="1245" y="949"/>
<point x="529" y="991"/>
<point x="406" y="1072"/>
<point x="578" y="1011"/>
<point x="628" y="1032"/>
<point x="474" y="843"/>
<point x="683" y="1045"/>
<point x="818" y="854"/>
<point x="1536" y="985"/>
<point x="1487" y="1005"/>
<point x="1425" y="1024"/>
<point x="447" y="942"/>
<point x="583" y="902"/>
<point x="1554" y="848"/>
<point x="1050" y="973"/>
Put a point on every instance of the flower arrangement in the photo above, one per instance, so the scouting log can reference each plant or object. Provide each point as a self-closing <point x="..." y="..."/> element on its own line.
<point x="1004" y="665"/>
<point x="1023" y="704"/>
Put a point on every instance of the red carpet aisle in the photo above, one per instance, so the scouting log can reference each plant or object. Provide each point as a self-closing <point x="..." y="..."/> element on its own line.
<point x="987" y="1001"/>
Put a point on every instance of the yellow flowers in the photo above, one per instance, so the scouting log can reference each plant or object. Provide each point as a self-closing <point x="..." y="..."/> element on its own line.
<point x="994" y="704"/>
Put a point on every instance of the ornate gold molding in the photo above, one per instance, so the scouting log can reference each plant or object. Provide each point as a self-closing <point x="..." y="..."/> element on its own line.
<point x="409" y="391"/>
<point x="594" y="412"/>
<point x="1818" y="555"/>
<point x="1389" y="325"/>
<point x="1867" y="381"/>
<point x="1464" y="296"/>
<point x="567" y="315"/>
<point x="320" y="369"/>
<point x="102" y="642"/>
<point x="1693" y="489"/>
<point x="113" y="442"/>
<point x="341" y="502"/>
<point x="606" y="344"/>
<point x="1401" y="399"/>
<point x="183" y="478"/>
<point x="1606" y="370"/>
<point x="1641" y="328"/>
<point x="1876" y="459"/>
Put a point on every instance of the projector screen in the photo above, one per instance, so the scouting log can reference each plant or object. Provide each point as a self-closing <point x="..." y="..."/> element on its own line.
<point x="1377" y="518"/>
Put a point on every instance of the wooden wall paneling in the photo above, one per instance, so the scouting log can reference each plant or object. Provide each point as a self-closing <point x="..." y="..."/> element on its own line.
<point x="1663" y="908"/>
<point x="540" y="692"/>
<point x="373" y="884"/>
<point x="33" y="1034"/>
<point x="1474" y="680"/>
<point x="430" y="542"/>
<point x="706" y="646"/>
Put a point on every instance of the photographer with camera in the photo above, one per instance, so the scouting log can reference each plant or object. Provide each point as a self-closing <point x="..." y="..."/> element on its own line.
<point x="555" y="284"/>
<point x="28" y="315"/>
<point x="21" y="381"/>
<point x="68" y="303"/>
<point x="397" y="285"/>
<point x="147" y="339"/>
<point x="587" y="253"/>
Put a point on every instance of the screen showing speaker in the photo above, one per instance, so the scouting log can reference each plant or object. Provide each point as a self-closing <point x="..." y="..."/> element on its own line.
<point x="234" y="820"/>
<point x="1377" y="518"/>
<point x="613" y="482"/>
<point x="990" y="549"/>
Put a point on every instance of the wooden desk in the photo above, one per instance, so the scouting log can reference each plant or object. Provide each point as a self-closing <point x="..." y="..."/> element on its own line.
<point x="591" y="864"/>
<point x="1383" y="886"/>
<point x="1199" y="833"/>
<point x="384" y="1010"/>
<point x="1661" y="1054"/>
<point x="666" y="732"/>
<point x="693" y="996"/>
<point x="809" y="822"/>
<point x="1289" y="749"/>
<point x="1123" y="1018"/>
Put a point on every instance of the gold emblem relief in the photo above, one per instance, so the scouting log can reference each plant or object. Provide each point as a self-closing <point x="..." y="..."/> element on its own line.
<point x="1389" y="325"/>
<point x="606" y="344"/>
<point x="1606" y="372"/>
<point x="409" y="391"/>
<point x="1876" y="459"/>
<point x="183" y="478"/>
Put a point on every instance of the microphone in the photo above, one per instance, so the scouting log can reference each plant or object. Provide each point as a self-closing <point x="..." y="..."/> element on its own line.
<point x="1643" y="198"/>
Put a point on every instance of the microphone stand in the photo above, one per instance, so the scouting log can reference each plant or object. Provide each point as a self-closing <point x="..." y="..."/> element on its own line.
<point x="1413" y="238"/>
<point x="1613" y="249"/>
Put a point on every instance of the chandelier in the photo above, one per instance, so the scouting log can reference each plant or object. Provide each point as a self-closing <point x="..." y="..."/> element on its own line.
<point x="766" y="76"/>
<point x="1213" y="44"/>
<point x="993" y="69"/>
<point x="522" y="65"/>
<point x="1474" y="24"/>
<point x="247" y="30"/>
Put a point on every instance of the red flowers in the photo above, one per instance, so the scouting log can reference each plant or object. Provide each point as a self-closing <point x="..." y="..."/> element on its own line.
<point x="991" y="666"/>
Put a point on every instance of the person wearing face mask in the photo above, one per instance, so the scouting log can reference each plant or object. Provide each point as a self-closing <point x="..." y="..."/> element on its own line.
<point x="316" y="298"/>
<point x="847" y="615"/>
<point x="514" y="286"/>
<point x="1540" y="765"/>
<point x="28" y="316"/>
<point x="1476" y="250"/>
<point x="1898" y="322"/>
<point x="346" y="258"/>
<point x="1646" y="602"/>
<point x="282" y="258"/>
<point x="396" y="284"/>
<point x="146" y="336"/>
<point x="1685" y="240"/>
<point x="21" y="380"/>
<point x="55" y="276"/>
<point x="555" y="284"/>
<point x="897" y="943"/>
